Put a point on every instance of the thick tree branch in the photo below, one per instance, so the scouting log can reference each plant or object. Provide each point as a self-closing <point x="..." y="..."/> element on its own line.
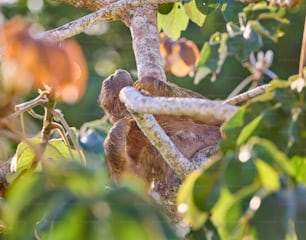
<point x="175" y="159"/>
<point x="145" y="38"/>
<point x="204" y="110"/>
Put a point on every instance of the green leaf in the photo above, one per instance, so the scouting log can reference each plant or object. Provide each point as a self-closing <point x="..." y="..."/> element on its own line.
<point x="231" y="10"/>
<point x="174" y="22"/>
<point x="48" y="205"/>
<point x="253" y="41"/>
<point x="206" y="232"/>
<point x="236" y="210"/>
<point x="284" y="95"/>
<point x="236" y="46"/>
<point x="24" y="156"/>
<point x="268" y="125"/>
<point x="271" y="220"/>
<point x="165" y="8"/>
<point x="207" y="187"/>
<point x="299" y="165"/>
<point x="267" y="151"/>
<point x="56" y="150"/>
<point x="186" y="205"/>
<point x="201" y="73"/>
<point x="209" y="56"/>
<point x="194" y="14"/>
<point x="300" y="211"/>
<point x="237" y="174"/>
<point x="252" y="11"/>
<point x="249" y="130"/>
<point x="230" y="209"/>
<point x="214" y="53"/>
<point x="259" y="28"/>
<point x="297" y="133"/>
<point x="241" y="44"/>
<point x="271" y="23"/>
<point x="232" y="128"/>
<point x="268" y="176"/>
<point x="207" y="6"/>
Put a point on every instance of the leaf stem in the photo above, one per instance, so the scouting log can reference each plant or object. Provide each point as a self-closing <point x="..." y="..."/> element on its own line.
<point x="58" y="115"/>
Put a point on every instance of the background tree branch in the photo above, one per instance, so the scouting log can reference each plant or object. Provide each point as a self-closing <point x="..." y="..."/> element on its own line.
<point x="93" y="5"/>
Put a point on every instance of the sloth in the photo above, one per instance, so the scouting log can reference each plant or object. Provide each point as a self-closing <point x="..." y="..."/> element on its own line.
<point x="129" y="151"/>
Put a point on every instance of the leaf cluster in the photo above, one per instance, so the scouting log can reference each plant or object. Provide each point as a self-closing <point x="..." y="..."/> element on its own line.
<point x="256" y="185"/>
<point x="256" y="22"/>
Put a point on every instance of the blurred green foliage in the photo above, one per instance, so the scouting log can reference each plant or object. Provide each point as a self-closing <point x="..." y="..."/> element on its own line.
<point x="71" y="201"/>
<point x="254" y="187"/>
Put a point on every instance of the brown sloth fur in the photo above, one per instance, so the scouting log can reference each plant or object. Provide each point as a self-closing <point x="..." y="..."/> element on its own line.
<point x="127" y="148"/>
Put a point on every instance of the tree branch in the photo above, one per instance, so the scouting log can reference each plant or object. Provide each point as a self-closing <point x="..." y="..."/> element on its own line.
<point x="157" y="136"/>
<point x="108" y="13"/>
<point x="204" y="110"/>
<point x="139" y="15"/>
<point x="145" y="38"/>
<point x="141" y="107"/>
<point x="93" y="5"/>
<point x="247" y="95"/>
<point x="111" y="12"/>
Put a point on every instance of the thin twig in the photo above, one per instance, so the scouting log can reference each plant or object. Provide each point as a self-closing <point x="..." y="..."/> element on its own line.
<point x="35" y="115"/>
<point x="60" y="117"/>
<point x="61" y="131"/>
<point x="47" y="124"/>
<point x="27" y="106"/>
<point x="241" y="86"/>
<point x="22" y="124"/>
<point x="247" y="95"/>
